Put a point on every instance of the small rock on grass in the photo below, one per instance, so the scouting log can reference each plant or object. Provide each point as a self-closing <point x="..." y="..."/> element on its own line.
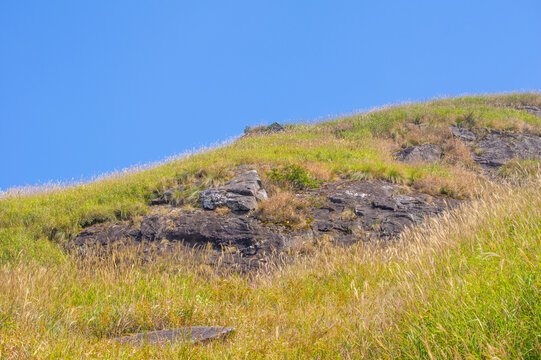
<point x="192" y="334"/>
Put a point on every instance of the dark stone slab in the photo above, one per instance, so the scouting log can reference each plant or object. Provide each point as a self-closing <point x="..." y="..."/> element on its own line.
<point x="193" y="334"/>
<point x="348" y="211"/>
<point x="493" y="148"/>
<point x="496" y="148"/>
<point x="377" y="208"/>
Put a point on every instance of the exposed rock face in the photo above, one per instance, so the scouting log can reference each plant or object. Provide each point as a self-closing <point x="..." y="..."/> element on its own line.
<point x="496" y="148"/>
<point x="192" y="227"/>
<point x="346" y="211"/>
<point x="104" y="234"/>
<point x="206" y="227"/>
<point x="349" y="211"/>
<point x="366" y="210"/>
<point x="464" y="134"/>
<point x="192" y="334"/>
<point x="239" y="194"/>
<point x="491" y="148"/>
<point x="534" y="110"/>
<point x="422" y="153"/>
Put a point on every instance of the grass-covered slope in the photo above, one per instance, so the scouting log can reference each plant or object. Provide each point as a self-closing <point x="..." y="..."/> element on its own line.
<point x="465" y="285"/>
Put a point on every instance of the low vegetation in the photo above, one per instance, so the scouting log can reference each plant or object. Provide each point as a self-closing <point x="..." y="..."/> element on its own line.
<point x="465" y="285"/>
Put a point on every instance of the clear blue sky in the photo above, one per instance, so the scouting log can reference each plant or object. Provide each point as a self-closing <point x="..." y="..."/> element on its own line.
<point x="87" y="87"/>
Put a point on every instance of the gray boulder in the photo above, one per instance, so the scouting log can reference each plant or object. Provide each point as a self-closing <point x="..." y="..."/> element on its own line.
<point x="422" y="153"/>
<point x="240" y="194"/>
<point x="191" y="334"/>
<point x="240" y="203"/>
<point x="464" y="134"/>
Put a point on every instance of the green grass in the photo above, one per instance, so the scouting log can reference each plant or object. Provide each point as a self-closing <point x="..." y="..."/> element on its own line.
<point x="466" y="285"/>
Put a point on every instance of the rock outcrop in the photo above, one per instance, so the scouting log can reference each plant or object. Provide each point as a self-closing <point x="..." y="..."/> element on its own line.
<point x="191" y="334"/>
<point x="421" y="153"/>
<point x="190" y="226"/>
<point x="464" y="134"/>
<point x="348" y="211"/>
<point x="492" y="148"/>
<point x="343" y="211"/>
<point x="366" y="210"/>
<point x="239" y="194"/>
<point x="497" y="148"/>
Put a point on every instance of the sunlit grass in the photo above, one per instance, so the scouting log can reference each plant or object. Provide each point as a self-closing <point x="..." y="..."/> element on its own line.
<point x="465" y="285"/>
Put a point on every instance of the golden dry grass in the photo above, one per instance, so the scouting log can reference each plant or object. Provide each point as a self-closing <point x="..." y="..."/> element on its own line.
<point x="466" y="285"/>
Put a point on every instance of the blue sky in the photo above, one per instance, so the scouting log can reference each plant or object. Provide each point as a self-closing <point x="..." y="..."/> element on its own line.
<point x="87" y="87"/>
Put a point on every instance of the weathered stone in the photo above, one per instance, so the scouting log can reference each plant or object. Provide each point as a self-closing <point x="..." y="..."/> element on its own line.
<point x="492" y="148"/>
<point x="193" y="334"/>
<point x="422" y="153"/>
<point x="496" y="148"/>
<point x="240" y="203"/>
<point x="262" y="195"/>
<point x="272" y="128"/>
<point x="104" y="234"/>
<point x="324" y="226"/>
<point x="213" y="198"/>
<point x="205" y="227"/>
<point x="239" y="194"/>
<point x="384" y="204"/>
<point x="190" y="226"/>
<point x="375" y="208"/>
<point x="464" y="134"/>
<point x="352" y="208"/>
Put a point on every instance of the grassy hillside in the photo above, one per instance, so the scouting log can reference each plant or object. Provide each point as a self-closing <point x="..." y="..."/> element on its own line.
<point x="466" y="285"/>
